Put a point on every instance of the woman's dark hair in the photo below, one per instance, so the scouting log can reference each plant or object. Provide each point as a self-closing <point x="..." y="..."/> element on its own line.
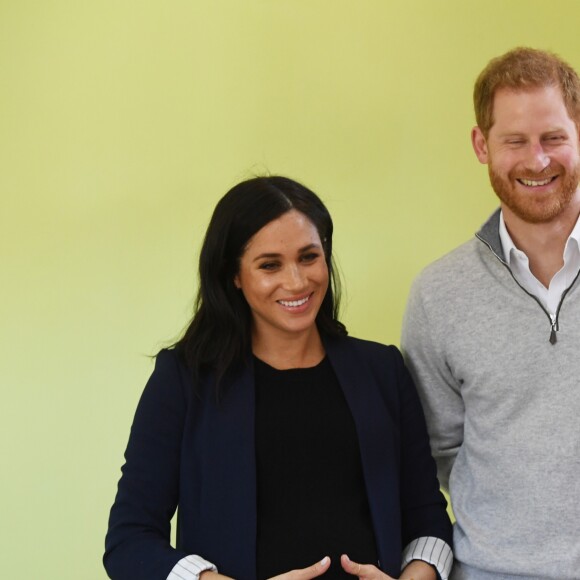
<point x="219" y="336"/>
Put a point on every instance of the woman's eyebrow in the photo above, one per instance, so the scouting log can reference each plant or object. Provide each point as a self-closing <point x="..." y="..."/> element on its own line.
<point x="277" y="255"/>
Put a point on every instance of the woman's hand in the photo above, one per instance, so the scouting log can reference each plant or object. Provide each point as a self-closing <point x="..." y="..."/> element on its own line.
<point x="303" y="574"/>
<point x="363" y="571"/>
<point x="416" y="570"/>
<point x="306" y="573"/>
<point x="211" y="575"/>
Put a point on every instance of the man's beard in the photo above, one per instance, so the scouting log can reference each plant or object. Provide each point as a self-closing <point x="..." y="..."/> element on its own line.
<point x="531" y="208"/>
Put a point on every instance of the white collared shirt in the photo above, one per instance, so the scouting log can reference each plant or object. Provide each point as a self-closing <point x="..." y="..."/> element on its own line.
<point x="520" y="266"/>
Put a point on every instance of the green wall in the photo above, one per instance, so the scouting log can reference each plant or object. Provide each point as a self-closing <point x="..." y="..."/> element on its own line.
<point x="121" y="124"/>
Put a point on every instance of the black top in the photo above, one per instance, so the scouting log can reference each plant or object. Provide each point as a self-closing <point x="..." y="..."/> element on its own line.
<point x="311" y="493"/>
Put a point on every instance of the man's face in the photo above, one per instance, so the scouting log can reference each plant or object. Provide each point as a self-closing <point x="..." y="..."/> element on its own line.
<point x="532" y="152"/>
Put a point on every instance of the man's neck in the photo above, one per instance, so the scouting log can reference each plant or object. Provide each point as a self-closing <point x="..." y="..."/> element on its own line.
<point x="543" y="243"/>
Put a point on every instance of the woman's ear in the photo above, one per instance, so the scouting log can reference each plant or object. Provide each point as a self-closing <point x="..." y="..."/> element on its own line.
<point x="237" y="281"/>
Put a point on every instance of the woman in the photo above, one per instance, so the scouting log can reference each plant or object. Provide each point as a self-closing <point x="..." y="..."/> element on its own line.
<point x="288" y="448"/>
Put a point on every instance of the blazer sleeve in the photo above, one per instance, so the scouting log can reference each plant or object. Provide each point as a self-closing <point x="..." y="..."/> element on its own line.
<point x="423" y="506"/>
<point x="137" y="545"/>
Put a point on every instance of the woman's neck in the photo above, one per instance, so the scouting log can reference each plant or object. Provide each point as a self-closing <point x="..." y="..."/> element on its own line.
<point x="289" y="351"/>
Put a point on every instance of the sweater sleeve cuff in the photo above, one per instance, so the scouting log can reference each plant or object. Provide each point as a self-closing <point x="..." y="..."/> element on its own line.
<point x="432" y="550"/>
<point x="190" y="567"/>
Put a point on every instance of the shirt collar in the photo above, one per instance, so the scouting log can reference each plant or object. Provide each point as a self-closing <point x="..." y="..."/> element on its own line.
<point x="509" y="248"/>
<point x="507" y="243"/>
<point x="574" y="235"/>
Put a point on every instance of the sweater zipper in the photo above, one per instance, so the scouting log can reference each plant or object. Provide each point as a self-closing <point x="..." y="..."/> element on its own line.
<point x="554" y="324"/>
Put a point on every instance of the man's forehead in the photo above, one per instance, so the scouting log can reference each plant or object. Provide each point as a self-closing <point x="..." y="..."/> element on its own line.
<point x="511" y="104"/>
<point x="528" y="92"/>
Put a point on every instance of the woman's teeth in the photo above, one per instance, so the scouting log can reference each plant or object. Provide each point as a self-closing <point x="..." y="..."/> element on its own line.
<point x="294" y="303"/>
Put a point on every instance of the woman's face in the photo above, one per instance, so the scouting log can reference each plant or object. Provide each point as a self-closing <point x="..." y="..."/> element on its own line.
<point x="283" y="276"/>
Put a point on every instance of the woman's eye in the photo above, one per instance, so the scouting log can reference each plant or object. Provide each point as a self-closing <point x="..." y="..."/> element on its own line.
<point x="268" y="266"/>
<point x="309" y="257"/>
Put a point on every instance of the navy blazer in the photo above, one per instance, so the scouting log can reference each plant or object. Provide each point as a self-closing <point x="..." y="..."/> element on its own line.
<point x="189" y="452"/>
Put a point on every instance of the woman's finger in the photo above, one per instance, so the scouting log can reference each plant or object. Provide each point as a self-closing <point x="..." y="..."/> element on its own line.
<point x="306" y="573"/>
<point x="363" y="571"/>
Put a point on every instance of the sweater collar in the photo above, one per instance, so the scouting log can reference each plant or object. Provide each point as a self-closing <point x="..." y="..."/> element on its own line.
<point x="489" y="235"/>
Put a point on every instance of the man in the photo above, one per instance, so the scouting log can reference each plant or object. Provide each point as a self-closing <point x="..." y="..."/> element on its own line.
<point x="492" y="334"/>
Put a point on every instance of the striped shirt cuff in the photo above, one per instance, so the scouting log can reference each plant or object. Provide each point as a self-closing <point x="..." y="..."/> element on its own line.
<point x="432" y="550"/>
<point x="190" y="567"/>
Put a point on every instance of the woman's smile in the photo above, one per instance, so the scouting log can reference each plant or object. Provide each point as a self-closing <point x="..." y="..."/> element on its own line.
<point x="295" y="303"/>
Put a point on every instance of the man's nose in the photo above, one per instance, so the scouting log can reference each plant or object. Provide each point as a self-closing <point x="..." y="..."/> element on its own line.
<point x="537" y="159"/>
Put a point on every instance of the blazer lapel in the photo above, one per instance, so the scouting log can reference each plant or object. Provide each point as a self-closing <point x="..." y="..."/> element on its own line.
<point x="378" y="438"/>
<point x="230" y="500"/>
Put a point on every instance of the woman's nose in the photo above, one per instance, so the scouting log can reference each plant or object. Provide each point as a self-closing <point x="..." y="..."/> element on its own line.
<point x="295" y="279"/>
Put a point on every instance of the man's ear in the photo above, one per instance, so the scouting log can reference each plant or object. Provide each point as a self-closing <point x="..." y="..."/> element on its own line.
<point x="479" y="145"/>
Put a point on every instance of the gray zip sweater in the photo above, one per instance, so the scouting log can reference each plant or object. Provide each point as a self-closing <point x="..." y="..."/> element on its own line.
<point x="503" y="409"/>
